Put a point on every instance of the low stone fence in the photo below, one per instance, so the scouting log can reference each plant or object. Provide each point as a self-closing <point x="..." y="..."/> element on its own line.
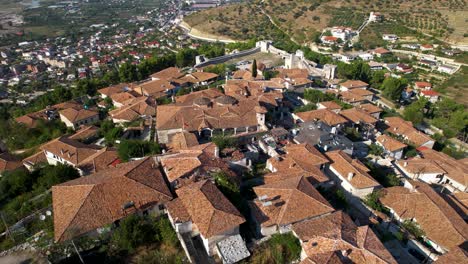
<point x="225" y="58"/>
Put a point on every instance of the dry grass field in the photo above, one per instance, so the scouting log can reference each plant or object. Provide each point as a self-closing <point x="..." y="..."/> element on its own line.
<point x="303" y="19"/>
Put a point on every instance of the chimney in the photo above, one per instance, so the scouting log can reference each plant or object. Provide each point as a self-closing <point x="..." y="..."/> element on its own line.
<point x="405" y="164"/>
<point x="350" y="176"/>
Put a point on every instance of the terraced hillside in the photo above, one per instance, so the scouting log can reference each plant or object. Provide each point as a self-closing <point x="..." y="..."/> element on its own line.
<point x="302" y="19"/>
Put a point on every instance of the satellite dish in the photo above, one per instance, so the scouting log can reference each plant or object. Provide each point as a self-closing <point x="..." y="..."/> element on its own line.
<point x="48" y="213"/>
<point x="42" y="217"/>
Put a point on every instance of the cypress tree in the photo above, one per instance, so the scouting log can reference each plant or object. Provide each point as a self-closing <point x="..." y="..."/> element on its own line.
<point x="254" y="68"/>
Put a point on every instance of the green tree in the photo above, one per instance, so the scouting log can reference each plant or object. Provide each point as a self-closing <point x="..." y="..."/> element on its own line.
<point x="413" y="228"/>
<point x="128" y="72"/>
<point x="223" y="142"/>
<point x="50" y="175"/>
<point x="450" y="117"/>
<point x="132" y="232"/>
<point x="375" y="149"/>
<point x="377" y="78"/>
<point x="316" y="96"/>
<point x="128" y="149"/>
<point x="186" y="57"/>
<point x="393" y="88"/>
<point x="357" y="70"/>
<point x="372" y="200"/>
<point x="415" y="111"/>
<point x="254" y="68"/>
<point x="280" y="248"/>
<point x="305" y="108"/>
<point x="16" y="182"/>
<point x="270" y="74"/>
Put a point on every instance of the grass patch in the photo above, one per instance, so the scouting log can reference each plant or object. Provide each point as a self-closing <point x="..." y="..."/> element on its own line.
<point x="281" y="248"/>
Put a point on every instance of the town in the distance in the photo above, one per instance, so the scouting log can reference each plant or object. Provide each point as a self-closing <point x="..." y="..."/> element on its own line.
<point x="233" y="131"/>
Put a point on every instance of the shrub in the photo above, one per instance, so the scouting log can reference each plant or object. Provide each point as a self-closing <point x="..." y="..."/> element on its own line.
<point x="223" y="142"/>
<point x="281" y="248"/>
<point x="375" y="149"/>
<point x="372" y="200"/>
<point x="413" y="228"/>
<point x="129" y="149"/>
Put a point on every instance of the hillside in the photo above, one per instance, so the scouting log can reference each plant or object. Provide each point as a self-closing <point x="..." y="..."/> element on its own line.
<point x="303" y="19"/>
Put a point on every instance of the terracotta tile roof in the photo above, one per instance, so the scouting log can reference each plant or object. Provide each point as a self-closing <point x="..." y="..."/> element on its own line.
<point x="458" y="254"/>
<point x="361" y="92"/>
<point x="333" y="233"/>
<point x="209" y="209"/>
<point x="330" y="38"/>
<point x="390" y="143"/>
<point x="300" y="159"/>
<point x="381" y="51"/>
<point x="306" y="153"/>
<point x="345" y="165"/>
<point x="178" y="211"/>
<point x="196" y="118"/>
<point x="352" y="84"/>
<point x="293" y="73"/>
<point x="358" y="116"/>
<point x="105" y="196"/>
<point x="245" y="75"/>
<point x="430" y="93"/>
<point x="420" y="166"/>
<point x="168" y="74"/>
<point x="440" y="222"/>
<point x="182" y="140"/>
<point x="68" y="104"/>
<point x="350" y="97"/>
<point x="331" y="105"/>
<point x="456" y="169"/>
<point x="202" y="76"/>
<point x="134" y="109"/>
<point x="423" y="84"/>
<point x="327" y="116"/>
<point x="101" y="160"/>
<point x="370" y="108"/>
<point x="196" y="160"/>
<point x="85" y="132"/>
<point x="74" y="115"/>
<point x="292" y="200"/>
<point x="188" y="99"/>
<point x="121" y="98"/>
<point x="180" y="165"/>
<point x="332" y="257"/>
<point x="119" y="88"/>
<point x="35" y="159"/>
<point x="156" y="88"/>
<point x="398" y="126"/>
<point x="70" y="150"/>
<point x="245" y="88"/>
<point x="9" y="162"/>
<point x="459" y="202"/>
<point x="29" y="120"/>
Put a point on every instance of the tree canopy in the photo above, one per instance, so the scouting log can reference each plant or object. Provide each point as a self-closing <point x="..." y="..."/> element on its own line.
<point x="128" y="149"/>
<point x="415" y="111"/>
<point x="393" y="87"/>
